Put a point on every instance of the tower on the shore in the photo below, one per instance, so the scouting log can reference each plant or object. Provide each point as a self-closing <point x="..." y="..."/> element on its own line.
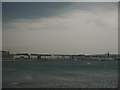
<point x="108" y="54"/>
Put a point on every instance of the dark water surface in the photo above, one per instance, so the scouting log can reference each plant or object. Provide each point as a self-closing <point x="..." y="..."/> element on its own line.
<point x="60" y="74"/>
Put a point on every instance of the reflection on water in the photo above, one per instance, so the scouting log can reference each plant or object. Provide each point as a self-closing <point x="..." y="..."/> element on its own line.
<point x="72" y="74"/>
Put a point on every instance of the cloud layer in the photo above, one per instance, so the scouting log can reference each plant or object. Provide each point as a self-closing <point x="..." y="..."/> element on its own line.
<point x="76" y="30"/>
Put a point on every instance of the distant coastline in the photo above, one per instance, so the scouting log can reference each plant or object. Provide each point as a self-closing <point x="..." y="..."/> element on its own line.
<point x="6" y="56"/>
<point x="50" y="60"/>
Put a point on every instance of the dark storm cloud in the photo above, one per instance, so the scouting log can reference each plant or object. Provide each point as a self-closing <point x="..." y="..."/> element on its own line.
<point x="0" y="13"/>
<point x="34" y="10"/>
<point x="31" y="10"/>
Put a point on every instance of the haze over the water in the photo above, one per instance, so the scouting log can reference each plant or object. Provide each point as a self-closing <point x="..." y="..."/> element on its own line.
<point x="61" y="28"/>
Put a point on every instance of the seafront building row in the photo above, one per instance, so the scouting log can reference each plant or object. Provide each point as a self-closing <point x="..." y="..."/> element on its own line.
<point x="6" y="55"/>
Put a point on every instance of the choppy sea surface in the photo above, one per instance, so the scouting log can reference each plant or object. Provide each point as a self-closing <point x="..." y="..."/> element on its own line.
<point x="60" y="74"/>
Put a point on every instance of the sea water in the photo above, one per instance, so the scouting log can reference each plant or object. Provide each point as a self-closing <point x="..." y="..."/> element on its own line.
<point x="60" y="74"/>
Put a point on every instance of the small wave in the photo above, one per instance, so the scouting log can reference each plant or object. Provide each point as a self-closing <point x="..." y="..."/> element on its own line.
<point x="88" y="63"/>
<point x="14" y="83"/>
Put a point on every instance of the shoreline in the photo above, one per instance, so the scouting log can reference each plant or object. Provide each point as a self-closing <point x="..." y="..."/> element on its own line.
<point x="50" y="60"/>
<point x="34" y="60"/>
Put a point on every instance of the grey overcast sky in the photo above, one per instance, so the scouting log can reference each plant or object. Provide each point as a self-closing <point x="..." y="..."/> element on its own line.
<point x="61" y="28"/>
<point x="0" y="26"/>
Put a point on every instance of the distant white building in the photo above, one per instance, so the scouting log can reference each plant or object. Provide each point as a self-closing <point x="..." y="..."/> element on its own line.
<point x="34" y="56"/>
<point x="21" y="56"/>
<point x="66" y="57"/>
